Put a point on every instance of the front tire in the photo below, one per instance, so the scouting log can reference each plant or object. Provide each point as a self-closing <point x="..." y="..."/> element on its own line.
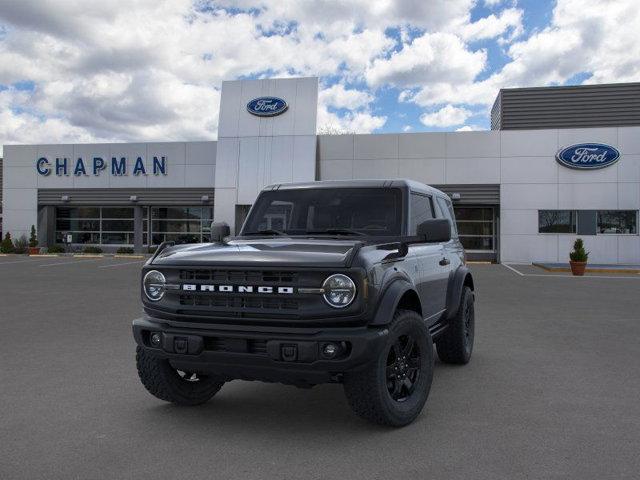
<point x="456" y="343"/>
<point x="393" y="389"/>
<point x="171" y="385"/>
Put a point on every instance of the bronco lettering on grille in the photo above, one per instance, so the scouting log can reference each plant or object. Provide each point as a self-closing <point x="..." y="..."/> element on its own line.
<point x="191" y="287"/>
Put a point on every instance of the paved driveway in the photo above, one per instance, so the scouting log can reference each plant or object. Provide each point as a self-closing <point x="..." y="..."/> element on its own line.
<point x="553" y="391"/>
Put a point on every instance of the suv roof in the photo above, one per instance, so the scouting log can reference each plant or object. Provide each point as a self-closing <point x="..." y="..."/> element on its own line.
<point x="382" y="183"/>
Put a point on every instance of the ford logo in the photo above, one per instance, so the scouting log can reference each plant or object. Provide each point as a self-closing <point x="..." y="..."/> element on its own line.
<point x="588" y="156"/>
<point x="267" y="106"/>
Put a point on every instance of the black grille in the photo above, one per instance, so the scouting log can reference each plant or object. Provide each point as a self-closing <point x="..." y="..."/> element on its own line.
<point x="248" y="277"/>
<point x="204" y="306"/>
<point x="234" y="301"/>
<point x="237" y="345"/>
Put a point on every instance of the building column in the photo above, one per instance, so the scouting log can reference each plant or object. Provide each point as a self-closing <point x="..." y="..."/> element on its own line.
<point x="137" y="229"/>
<point x="46" y="228"/>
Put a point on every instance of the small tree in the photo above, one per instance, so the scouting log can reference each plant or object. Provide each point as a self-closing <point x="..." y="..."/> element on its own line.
<point x="579" y="254"/>
<point x="7" y="244"/>
<point x="20" y="245"/>
<point x="33" y="239"/>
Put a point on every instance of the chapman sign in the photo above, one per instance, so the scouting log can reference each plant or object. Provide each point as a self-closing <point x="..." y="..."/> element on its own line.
<point x="95" y="166"/>
<point x="588" y="156"/>
<point x="267" y="106"/>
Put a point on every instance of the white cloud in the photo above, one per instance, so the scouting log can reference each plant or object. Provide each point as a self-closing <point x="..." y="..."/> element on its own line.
<point x="469" y="128"/>
<point x="492" y="3"/>
<point x="509" y="20"/>
<point x="432" y="57"/>
<point x="583" y="37"/>
<point x="151" y="69"/>
<point x="338" y="96"/>
<point x="351" y="122"/>
<point x="447" y="116"/>
<point x="407" y="128"/>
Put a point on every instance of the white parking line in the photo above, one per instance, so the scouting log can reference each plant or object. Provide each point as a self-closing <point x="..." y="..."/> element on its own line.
<point x="513" y="270"/>
<point x="69" y="263"/>
<point x="121" y="264"/>
<point x="566" y="276"/>
<point x="23" y="261"/>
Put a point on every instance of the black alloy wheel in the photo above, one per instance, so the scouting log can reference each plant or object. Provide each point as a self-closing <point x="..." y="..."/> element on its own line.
<point x="403" y="368"/>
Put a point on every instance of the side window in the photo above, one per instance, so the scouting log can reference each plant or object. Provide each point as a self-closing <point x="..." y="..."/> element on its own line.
<point x="447" y="212"/>
<point x="421" y="210"/>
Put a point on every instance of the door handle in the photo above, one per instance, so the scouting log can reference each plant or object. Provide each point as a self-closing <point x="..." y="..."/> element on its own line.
<point x="445" y="261"/>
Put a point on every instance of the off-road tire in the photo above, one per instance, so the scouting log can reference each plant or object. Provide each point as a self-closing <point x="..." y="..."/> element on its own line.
<point x="456" y="343"/>
<point x="368" y="389"/>
<point x="164" y="382"/>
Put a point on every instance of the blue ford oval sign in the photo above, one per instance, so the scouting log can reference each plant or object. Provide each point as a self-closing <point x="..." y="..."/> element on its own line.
<point x="267" y="106"/>
<point x="588" y="156"/>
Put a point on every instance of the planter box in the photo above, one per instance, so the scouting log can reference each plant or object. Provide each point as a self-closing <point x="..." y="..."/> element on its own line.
<point x="578" y="268"/>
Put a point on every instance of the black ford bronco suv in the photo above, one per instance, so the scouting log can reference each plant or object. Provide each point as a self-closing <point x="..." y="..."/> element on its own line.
<point x="350" y="282"/>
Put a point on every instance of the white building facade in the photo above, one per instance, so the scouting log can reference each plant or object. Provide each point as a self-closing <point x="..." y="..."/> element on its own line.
<point x="514" y="201"/>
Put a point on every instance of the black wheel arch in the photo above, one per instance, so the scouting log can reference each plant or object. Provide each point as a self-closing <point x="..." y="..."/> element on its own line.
<point x="461" y="278"/>
<point x="399" y="293"/>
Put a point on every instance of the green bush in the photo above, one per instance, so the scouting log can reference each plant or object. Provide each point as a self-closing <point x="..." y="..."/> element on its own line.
<point x="7" y="244"/>
<point x="33" y="239"/>
<point x="92" y="249"/>
<point x="21" y="244"/>
<point x="153" y="249"/>
<point x="579" y="254"/>
<point x="124" y="250"/>
<point x="56" y="249"/>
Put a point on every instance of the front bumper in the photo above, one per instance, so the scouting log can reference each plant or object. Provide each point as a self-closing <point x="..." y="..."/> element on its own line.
<point x="286" y="355"/>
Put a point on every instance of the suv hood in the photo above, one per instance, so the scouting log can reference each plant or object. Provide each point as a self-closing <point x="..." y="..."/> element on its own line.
<point x="267" y="252"/>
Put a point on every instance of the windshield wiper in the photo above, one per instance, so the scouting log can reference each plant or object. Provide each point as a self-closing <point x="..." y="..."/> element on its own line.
<point x="337" y="231"/>
<point x="267" y="231"/>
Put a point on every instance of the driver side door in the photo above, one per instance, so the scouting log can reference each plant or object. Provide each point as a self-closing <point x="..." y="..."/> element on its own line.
<point x="429" y="276"/>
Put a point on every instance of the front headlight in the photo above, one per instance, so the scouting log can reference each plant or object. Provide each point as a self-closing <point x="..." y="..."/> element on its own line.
<point x="339" y="290"/>
<point x="153" y="285"/>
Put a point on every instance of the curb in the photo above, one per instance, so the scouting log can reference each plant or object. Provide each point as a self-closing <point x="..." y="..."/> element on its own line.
<point x="589" y="270"/>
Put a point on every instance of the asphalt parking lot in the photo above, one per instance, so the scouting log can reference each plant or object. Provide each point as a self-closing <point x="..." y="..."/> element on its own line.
<point x="553" y="391"/>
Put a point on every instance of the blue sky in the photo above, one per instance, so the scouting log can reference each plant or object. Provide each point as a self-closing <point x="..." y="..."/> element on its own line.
<point x="145" y="70"/>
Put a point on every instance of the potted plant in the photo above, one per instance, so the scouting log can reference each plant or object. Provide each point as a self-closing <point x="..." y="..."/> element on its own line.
<point x="33" y="242"/>
<point x="578" y="258"/>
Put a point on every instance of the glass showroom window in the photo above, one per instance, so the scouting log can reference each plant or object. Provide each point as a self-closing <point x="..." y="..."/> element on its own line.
<point x="95" y="225"/>
<point x="618" y="221"/>
<point x="556" y="221"/>
<point x="180" y="224"/>
<point x="476" y="228"/>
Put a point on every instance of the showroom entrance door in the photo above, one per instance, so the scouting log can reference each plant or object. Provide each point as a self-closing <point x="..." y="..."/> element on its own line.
<point x="478" y="231"/>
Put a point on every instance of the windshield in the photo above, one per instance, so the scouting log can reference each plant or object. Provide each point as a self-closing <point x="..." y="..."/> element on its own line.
<point x="336" y="211"/>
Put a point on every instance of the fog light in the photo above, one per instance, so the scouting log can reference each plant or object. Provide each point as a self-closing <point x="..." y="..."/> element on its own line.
<point x="330" y="350"/>
<point x="156" y="339"/>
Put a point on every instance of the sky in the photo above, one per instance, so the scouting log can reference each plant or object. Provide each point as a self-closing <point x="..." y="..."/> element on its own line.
<point x="77" y="71"/>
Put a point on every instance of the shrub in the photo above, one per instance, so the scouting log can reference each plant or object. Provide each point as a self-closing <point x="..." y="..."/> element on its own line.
<point x="21" y="244"/>
<point x="33" y="239"/>
<point x="7" y="244"/>
<point x="56" y="249"/>
<point x="579" y="254"/>
<point x="92" y="249"/>
<point x="153" y="249"/>
<point x="124" y="250"/>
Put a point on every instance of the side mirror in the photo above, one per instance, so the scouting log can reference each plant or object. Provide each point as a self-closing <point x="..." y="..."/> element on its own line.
<point x="435" y="230"/>
<point x="219" y="230"/>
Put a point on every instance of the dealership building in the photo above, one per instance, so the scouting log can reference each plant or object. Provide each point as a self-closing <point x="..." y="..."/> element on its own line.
<point x="559" y="162"/>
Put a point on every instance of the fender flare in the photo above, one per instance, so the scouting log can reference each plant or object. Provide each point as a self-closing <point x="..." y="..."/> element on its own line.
<point x="454" y="292"/>
<point x="390" y="300"/>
